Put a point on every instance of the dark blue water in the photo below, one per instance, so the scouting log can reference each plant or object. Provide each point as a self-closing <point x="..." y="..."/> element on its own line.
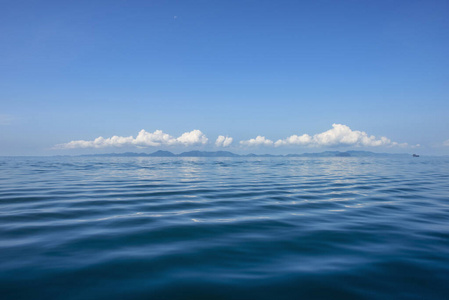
<point x="224" y="228"/>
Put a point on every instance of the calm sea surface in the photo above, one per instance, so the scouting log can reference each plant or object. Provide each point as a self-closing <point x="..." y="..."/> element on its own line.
<point x="224" y="228"/>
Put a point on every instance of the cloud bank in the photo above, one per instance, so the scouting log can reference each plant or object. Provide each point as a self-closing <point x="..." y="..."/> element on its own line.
<point x="143" y="139"/>
<point x="338" y="135"/>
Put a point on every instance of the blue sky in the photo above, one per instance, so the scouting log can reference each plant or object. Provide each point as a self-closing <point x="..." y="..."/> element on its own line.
<point x="78" y="70"/>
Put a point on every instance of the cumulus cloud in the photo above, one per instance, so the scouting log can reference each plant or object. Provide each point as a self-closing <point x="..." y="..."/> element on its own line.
<point x="193" y="137"/>
<point x="143" y="139"/>
<point x="223" y="141"/>
<point x="339" y="135"/>
<point x="149" y="139"/>
<point x="304" y="139"/>
<point x="258" y="141"/>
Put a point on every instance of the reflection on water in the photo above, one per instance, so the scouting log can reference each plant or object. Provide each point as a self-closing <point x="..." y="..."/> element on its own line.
<point x="224" y="228"/>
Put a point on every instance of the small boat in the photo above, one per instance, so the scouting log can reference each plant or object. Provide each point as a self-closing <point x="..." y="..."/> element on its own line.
<point x="415" y="155"/>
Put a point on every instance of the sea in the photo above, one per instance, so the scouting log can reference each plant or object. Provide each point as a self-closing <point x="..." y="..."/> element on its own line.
<point x="224" y="228"/>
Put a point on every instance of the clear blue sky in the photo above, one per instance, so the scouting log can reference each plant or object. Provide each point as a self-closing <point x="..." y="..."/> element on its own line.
<point x="77" y="70"/>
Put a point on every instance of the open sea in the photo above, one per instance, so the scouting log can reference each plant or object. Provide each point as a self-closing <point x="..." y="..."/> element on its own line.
<point x="224" y="228"/>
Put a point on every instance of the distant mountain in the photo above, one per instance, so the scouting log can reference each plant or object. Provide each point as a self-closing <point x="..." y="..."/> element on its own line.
<point x="162" y="153"/>
<point x="343" y="154"/>
<point x="208" y="154"/>
<point x="320" y="154"/>
<point x="196" y="153"/>
<point x="250" y="155"/>
<point x="374" y="154"/>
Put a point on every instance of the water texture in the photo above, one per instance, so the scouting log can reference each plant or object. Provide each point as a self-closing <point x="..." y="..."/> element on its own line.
<point x="224" y="228"/>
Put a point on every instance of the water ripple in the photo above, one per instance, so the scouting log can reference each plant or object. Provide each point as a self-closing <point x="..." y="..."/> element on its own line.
<point x="225" y="228"/>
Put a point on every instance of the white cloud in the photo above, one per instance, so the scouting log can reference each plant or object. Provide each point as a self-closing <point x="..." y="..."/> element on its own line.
<point x="339" y="135"/>
<point x="223" y="141"/>
<point x="99" y="142"/>
<point x="446" y="143"/>
<point x="304" y="139"/>
<point x="258" y="141"/>
<point x="343" y="135"/>
<point x="193" y="137"/>
<point x="150" y="139"/>
<point x="143" y="139"/>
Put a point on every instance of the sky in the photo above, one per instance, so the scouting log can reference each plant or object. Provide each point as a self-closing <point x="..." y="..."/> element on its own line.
<point x="80" y="77"/>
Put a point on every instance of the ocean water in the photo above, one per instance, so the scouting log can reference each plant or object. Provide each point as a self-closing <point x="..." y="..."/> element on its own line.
<point x="224" y="228"/>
